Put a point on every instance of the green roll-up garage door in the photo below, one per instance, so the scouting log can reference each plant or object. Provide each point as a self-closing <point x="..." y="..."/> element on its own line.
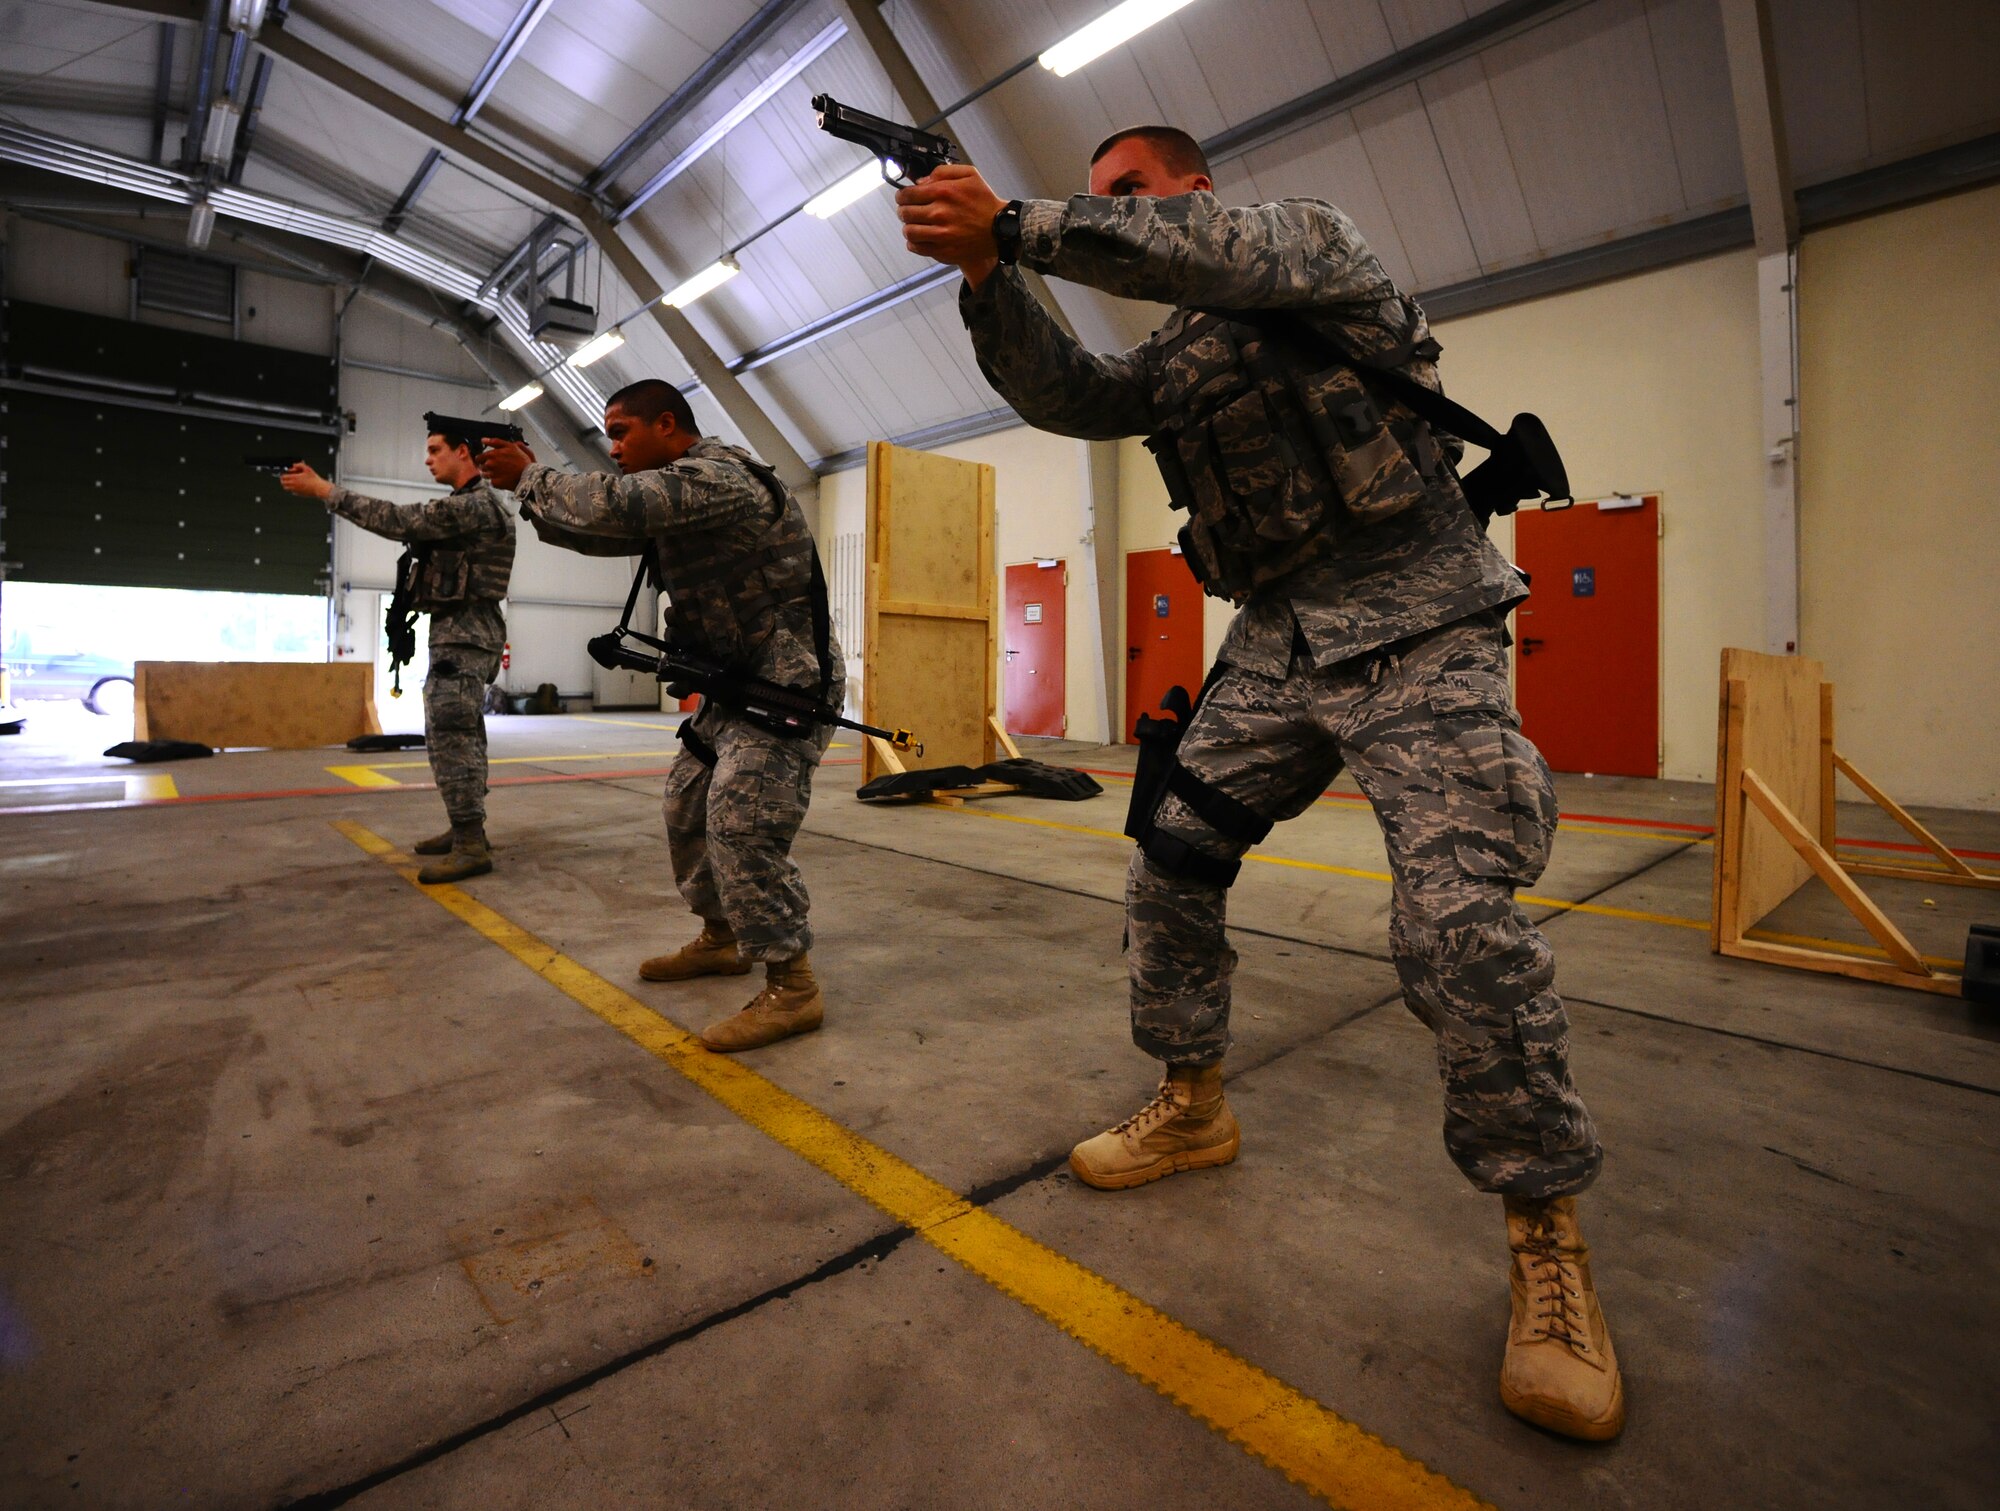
<point x="124" y="456"/>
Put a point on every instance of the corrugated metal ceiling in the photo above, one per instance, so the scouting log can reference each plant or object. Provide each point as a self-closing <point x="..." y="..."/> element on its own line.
<point x="1611" y="119"/>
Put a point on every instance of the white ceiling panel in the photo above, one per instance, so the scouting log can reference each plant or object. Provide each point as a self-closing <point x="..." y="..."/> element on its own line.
<point x="1579" y="100"/>
<point x="1459" y="100"/>
<point x="1820" y="84"/>
<point x="1422" y="200"/>
<point x="1354" y="35"/>
<point x="1692" y="66"/>
<point x="1933" y="73"/>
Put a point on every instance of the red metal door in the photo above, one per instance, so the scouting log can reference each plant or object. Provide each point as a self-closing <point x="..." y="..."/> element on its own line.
<point x="1162" y="631"/>
<point x="1034" y="642"/>
<point x="1589" y="638"/>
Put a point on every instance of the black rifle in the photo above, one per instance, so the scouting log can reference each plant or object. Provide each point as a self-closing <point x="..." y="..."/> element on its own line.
<point x="271" y="463"/>
<point x="907" y="154"/>
<point x="401" y="620"/>
<point x="472" y="433"/>
<point x="789" y="711"/>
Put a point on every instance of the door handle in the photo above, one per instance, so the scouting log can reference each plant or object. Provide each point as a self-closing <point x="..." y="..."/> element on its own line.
<point x="1131" y="653"/>
<point x="1012" y="654"/>
<point x="1528" y="644"/>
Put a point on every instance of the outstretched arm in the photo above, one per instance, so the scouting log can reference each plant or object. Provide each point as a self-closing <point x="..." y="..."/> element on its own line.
<point x="444" y="518"/>
<point x="692" y="493"/>
<point x="1044" y="372"/>
<point x="1192" y="250"/>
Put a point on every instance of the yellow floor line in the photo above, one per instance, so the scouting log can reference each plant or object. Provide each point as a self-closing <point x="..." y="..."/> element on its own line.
<point x="1310" y="1445"/>
<point x="363" y="776"/>
<point x="621" y="723"/>
<point x="1529" y="899"/>
<point x="533" y="760"/>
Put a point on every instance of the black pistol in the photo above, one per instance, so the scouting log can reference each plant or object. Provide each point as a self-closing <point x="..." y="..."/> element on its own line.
<point x="474" y="433"/>
<point x="906" y="153"/>
<point x="270" y="463"/>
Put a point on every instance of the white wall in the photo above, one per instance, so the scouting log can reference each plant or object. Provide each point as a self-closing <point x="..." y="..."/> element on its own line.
<point x="557" y="599"/>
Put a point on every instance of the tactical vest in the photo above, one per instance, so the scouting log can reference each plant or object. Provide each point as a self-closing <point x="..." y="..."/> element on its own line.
<point x="727" y="601"/>
<point x="452" y="573"/>
<point x="1273" y="460"/>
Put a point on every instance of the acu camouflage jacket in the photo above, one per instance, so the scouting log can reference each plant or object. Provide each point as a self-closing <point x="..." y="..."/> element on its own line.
<point x="468" y="537"/>
<point x="730" y="544"/>
<point x="1399" y="551"/>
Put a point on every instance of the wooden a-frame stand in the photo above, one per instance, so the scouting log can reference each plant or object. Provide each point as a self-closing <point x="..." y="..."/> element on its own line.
<point x="1777" y="755"/>
<point x="955" y="797"/>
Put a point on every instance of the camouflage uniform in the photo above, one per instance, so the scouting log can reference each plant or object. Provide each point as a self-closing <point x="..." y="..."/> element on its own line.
<point x="467" y="636"/>
<point x="1370" y="636"/>
<point x="733" y="550"/>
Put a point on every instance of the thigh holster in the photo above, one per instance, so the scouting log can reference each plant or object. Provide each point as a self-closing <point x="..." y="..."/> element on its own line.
<point x="1159" y="773"/>
<point x="698" y="747"/>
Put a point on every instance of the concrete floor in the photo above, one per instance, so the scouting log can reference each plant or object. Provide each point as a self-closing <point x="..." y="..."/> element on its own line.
<point x="310" y="1192"/>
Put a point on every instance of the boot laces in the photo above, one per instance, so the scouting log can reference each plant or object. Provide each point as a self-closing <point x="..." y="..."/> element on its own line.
<point x="1163" y="1107"/>
<point x="1555" y="1289"/>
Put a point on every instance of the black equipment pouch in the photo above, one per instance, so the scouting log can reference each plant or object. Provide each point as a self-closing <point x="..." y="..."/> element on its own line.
<point x="400" y="622"/>
<point x="444" y="575"/>
<point x="1520" y="465"/>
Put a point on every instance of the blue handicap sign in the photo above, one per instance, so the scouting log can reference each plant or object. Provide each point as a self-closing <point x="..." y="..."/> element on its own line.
<point x="1160" y="605"/>
<point x="1583" y="582"/>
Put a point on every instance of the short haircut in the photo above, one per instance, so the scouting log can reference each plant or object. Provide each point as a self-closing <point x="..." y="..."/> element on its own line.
<point x="472" y="443"/>
<point x="1180" y="152"/>
<point x="650" y="398"/>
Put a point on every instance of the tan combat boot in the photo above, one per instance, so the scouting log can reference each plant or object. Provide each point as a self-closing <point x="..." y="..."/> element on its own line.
<point x="713" y="952"/>
<point x="470" y="855"/>
<point x="437" y="844"/>
<point x="789" y="1004"/>
<point x="1560" y="1371"/>
<point x="1187" y="1126"/>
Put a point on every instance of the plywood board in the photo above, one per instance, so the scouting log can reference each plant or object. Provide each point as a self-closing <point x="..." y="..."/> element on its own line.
<point x="1781" y="744"/>
<point x="280" y="705"/>
<point x="929" y="659"/>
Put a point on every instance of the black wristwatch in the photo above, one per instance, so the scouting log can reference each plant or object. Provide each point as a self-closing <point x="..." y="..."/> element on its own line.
<point x="1007" y="232"/>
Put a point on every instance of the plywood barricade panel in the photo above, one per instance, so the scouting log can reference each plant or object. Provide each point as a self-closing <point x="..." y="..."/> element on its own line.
<point x="929" y="661"/>
<point x="1778" y="759"/>
<point x="282" y="705"/>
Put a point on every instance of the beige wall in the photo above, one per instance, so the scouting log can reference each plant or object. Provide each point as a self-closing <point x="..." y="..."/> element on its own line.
<point x="1899" y="464"/>
<point x="1649" y="385"/>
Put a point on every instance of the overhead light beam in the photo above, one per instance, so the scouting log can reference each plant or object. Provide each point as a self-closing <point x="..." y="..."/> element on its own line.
<point x="521" y="397"/>
<point x="706" y="281"/>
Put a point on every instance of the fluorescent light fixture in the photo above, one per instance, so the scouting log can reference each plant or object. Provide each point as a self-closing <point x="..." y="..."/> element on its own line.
<point x="710" y="278"/>
<point x="830" y="202"/>
<point x="218" y="141"/>
<point x="521" y="397"/>
<point x="201" y="224"/>
<point x="1118" y="25"/>
<point x="741" y="111"/>
<point x="595" y="347"/>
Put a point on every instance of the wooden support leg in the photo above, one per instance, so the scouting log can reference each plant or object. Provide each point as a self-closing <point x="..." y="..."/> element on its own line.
<point x="1727" y="926"/>
<point x="1952" y="863"/>
<point x="1828" y="779"/>
<point x="1006" y="740"/>
<point x="886" y="754"/>
<point x="1830" y="871"/>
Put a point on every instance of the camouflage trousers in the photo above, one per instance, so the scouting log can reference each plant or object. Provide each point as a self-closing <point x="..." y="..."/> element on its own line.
<point x="730" y="829"/>
<point x="1468" y="812"/>
<point x="455" y="728"/>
